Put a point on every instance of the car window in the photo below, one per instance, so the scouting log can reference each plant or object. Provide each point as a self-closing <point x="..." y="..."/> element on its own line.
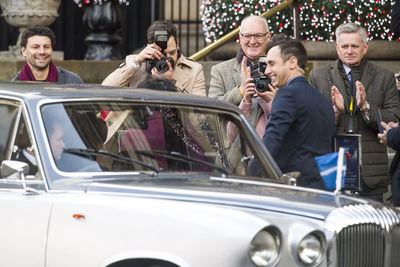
<point x="23" y="150"/>
<point x="126" y="137"/>
<point x="9" y="112"/>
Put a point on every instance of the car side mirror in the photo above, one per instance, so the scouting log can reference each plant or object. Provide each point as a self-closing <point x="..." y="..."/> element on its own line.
<point x="290" y="178"/>
<point x="9" y="167"/>
<point x="21" y="169"/>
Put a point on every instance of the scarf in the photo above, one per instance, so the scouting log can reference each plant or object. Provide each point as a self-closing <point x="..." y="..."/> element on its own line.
<point x="253" y="67"/>
<point x="27" y="75"/>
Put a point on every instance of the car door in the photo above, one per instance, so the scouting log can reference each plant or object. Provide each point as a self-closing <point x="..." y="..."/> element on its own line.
<point x="24" y="215"/>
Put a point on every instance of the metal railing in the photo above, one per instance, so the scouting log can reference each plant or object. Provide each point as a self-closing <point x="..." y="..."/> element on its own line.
<point x="190" y="32"/>
<point x="234" y="33"/>
<point x="185" y="14"/>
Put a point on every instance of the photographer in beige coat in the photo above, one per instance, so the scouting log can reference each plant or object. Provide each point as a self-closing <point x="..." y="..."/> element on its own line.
<point x="187" y="74"/>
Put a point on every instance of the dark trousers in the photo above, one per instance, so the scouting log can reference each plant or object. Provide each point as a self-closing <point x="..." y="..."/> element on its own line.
<point x="372" y="193"/>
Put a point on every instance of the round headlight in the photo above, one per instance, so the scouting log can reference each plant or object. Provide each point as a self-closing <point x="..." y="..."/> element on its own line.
<point x="264" y="248"/>
<point x="310" y="249"/>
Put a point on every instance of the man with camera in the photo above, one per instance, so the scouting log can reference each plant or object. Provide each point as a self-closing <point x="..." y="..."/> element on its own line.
<point x="160" y="58"/>
<point x="237" y="79"/>
<point x="301" y="123"/>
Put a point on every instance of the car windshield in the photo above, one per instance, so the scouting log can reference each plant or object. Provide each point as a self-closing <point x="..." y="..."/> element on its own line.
<point x="142" y="138"/>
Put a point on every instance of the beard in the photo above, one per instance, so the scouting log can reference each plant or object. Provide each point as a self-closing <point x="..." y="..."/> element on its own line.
<point x="40" y="65"/>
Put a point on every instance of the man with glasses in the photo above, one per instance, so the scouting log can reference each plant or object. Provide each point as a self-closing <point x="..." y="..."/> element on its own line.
<point x="230" y="80"/>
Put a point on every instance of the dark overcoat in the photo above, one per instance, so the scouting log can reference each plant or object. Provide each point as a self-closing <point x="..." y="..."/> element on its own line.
<point x="381" y="93"/>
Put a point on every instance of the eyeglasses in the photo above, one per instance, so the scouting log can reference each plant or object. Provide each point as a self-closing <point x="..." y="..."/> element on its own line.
<point x="257" y="36"/>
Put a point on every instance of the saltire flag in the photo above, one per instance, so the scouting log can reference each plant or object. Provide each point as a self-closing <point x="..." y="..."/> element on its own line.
<point x="329" y="165"/>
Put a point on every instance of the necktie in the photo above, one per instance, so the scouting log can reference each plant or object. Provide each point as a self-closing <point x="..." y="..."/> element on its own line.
<point x="351" y="82"/>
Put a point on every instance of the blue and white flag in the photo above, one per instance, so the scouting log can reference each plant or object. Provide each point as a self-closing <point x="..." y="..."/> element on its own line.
<point x="329" y="165"/>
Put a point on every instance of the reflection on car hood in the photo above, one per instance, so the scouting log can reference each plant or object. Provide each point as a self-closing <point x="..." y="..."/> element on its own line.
<point x="233" y="192"/>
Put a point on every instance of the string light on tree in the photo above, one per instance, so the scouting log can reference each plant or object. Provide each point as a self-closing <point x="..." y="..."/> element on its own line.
<point x="318" y="18"/>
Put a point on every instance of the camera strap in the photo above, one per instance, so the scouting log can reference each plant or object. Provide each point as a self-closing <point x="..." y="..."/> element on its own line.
<point x="239" y="58"/>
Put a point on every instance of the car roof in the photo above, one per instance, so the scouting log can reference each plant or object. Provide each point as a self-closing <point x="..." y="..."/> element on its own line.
<point x="38" y="91"/>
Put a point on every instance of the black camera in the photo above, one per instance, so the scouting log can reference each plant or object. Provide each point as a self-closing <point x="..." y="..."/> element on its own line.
<point x="161" y="64"/>
<point x="262" y="64"/>
<point x="160" y="39"/>
<point x="262" y="80"/>
<point x="262" y="83"/>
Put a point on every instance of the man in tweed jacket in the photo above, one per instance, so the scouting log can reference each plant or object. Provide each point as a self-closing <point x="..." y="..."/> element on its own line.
<point x="231" y="80"/>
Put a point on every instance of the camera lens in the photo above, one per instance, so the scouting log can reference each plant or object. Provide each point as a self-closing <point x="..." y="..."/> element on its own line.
<point x="162" y="65"/>
<point x="261" y="86"/>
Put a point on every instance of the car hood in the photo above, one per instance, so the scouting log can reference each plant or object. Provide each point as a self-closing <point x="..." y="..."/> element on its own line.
<point x="234" y="192"/>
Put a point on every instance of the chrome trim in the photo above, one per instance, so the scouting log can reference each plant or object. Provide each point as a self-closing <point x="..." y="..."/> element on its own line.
<point x="367" y="228"/>
<point x="277" y="235"/>
<point x="321" y="237"/>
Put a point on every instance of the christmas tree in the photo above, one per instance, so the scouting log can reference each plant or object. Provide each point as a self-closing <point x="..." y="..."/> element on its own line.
<point x="318" y="18"/>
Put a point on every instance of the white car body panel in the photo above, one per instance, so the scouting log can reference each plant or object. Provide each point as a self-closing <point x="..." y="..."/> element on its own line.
<point x="24" y="223"/>
<point x="185" y="228"/>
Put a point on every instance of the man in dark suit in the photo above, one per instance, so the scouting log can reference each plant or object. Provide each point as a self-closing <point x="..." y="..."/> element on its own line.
<point x="301" y="124"/>
<point x="391" y="137"/>
<point x="357" y="89"/>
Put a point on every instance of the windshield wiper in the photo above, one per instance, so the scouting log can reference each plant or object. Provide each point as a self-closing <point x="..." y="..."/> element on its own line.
<point x="180" y="157"/>
<point x="90" y="153"/>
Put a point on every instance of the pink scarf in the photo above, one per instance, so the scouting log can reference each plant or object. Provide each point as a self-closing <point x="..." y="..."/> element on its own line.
<point x="27" y="75"/>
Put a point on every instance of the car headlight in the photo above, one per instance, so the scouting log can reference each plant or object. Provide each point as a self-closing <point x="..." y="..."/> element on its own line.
<point x="264" y="248"/>
<point x="310" y="249"/>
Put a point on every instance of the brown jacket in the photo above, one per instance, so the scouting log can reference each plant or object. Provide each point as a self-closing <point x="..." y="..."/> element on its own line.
<point x="187" y="73"/>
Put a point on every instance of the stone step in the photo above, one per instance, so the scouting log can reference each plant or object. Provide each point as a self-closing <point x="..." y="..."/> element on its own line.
<point x="95" y="71"/>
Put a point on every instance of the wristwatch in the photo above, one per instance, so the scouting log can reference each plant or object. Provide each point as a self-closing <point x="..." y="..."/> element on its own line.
<point x="367" y="108"/>
<point x="366" y="111"/>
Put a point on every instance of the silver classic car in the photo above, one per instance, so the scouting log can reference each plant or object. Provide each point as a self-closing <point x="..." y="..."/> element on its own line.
<point x="111" y="177"/>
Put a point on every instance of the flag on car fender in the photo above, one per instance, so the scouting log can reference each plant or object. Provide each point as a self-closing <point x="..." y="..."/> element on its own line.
<point x="329" y="165"/>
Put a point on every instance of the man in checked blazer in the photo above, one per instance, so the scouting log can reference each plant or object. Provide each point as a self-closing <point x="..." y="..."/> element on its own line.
<point x="232" y="80"/>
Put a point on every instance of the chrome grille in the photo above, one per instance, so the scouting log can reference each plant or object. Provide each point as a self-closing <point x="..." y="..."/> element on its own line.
<point x="395" y="253"/>
<point x="364" y="236"/>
